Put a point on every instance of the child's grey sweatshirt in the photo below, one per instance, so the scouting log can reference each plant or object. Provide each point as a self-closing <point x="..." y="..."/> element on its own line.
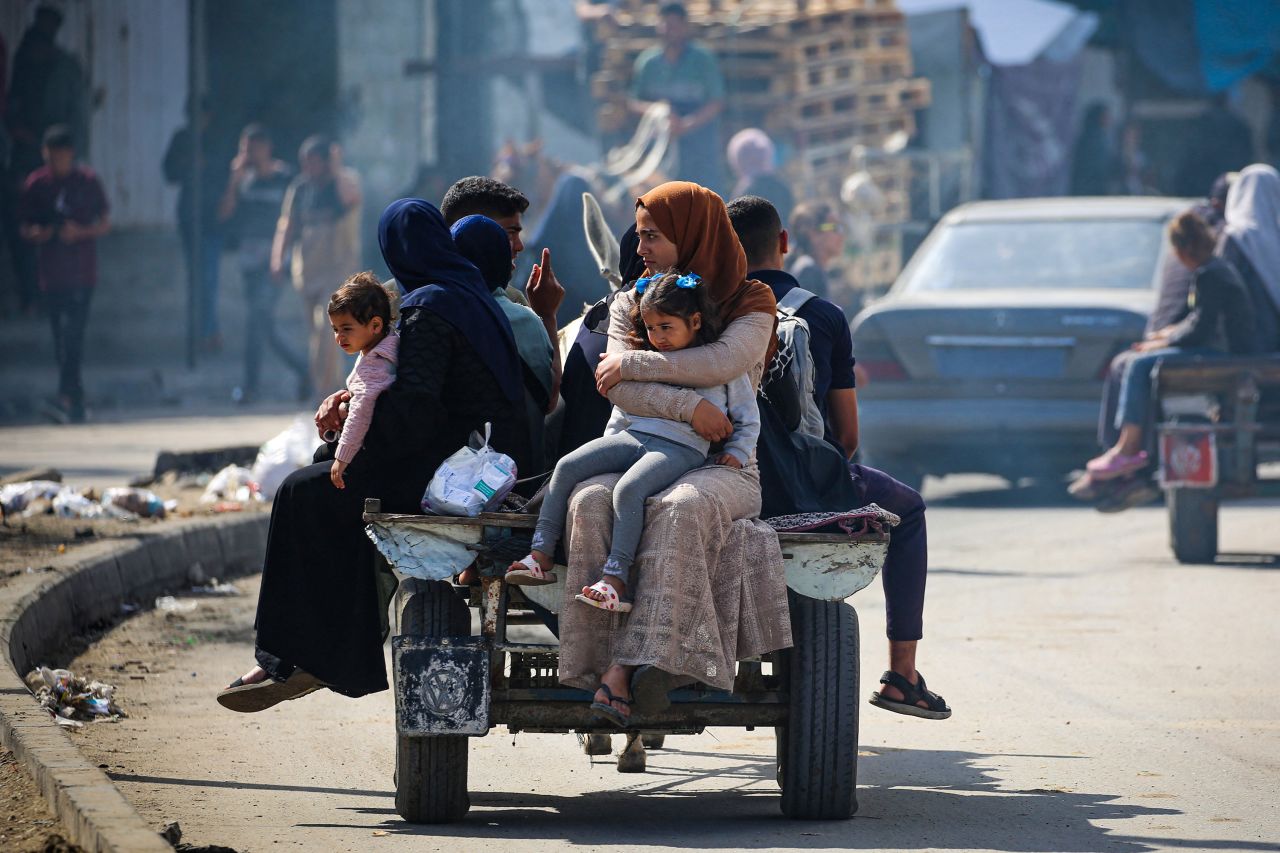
<point x="736" y="399"/>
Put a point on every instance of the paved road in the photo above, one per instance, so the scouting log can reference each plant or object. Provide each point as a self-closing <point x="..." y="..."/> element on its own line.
<point x="1106" y="699"/>
<point x="113" y="450"/>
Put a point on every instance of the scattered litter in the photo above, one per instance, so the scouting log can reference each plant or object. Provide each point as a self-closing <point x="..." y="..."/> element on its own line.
<point x="42" y="497"/>
<point x="18" y="497"/>
<point x="72" y="700"/>
<point x="214" y="587"/>
<point x="169" y="604"/>
<point x="140" y="502"/>
<point x="283" y="454"/>
<point x="232" y="484"/>
<point x="379" y="833"/>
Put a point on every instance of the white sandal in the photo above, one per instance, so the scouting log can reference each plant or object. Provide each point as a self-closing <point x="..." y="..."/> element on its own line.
<point x="612" y="603"/>
<point x="531" y="575"/>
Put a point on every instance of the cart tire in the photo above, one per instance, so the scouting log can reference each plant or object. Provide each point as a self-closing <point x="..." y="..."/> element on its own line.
<point x="1193" y="524"/>
<point x="431" y="772"/>
<point x="818" y="746"/>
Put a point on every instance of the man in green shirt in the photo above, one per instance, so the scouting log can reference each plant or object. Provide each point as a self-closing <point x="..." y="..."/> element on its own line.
<point x="687" y="77"/>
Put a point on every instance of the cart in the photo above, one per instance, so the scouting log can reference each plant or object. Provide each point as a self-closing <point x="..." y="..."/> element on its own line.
<point x="457" y="677"/>
<point x="1220" y="421"/>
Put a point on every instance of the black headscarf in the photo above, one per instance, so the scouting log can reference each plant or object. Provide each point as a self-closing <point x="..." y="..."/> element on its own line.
<point x="485" y="243"/>
<point x="562" y="232"/>
<point x="630" y="264"/>
<point x="420" y="253"/>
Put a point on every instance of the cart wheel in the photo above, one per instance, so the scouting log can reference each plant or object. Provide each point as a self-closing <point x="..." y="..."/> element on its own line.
<point x="654" y="741"/>
<point x="1193" y="524"/>
<point x="431" y="772"/>
<point x="818" y="746"/>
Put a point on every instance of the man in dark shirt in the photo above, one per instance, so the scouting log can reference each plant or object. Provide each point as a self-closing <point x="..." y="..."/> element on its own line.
<point x="250" y="206"/>
<point x="903" y="690"/>
<point x="829" y="340"/>
<point x="63" y="211"/>
<point x="200" y="176"/>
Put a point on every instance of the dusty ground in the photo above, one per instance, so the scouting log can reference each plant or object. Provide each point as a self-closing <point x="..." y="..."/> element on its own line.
<point x="32" y="543"/>
<point x="98" y="455"/>
<point x="26" y="824"/>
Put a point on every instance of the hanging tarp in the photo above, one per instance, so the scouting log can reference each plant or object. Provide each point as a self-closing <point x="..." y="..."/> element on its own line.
<point x="1199" y="47"/>
<point x="1237" y="38"/>
<point x="1030" y="124"/>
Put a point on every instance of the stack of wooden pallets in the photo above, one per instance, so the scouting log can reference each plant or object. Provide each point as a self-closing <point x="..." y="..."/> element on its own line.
<point x="821" y="76"/>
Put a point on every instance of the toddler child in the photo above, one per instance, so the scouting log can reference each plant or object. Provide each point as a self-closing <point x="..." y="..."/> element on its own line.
<point x="672" y="312"/>
<point x="360" y="313"/>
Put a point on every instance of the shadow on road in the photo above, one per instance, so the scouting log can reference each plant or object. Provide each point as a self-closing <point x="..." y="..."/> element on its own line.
<point x="1039" y="494"/>
<point x="957" y="804"/>
<point x="1262" y="562"/>
<point x="243" y="786"/>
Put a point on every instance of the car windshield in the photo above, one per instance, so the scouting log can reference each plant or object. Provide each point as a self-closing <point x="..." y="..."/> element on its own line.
<point x="1114" y="253"/>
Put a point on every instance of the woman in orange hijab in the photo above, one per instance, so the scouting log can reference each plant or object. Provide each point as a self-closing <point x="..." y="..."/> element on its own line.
<point x="713" y="589"/>
<point x="684" y="226"/>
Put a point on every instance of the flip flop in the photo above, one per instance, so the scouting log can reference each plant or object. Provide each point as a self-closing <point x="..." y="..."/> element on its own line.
<point x="531" y="575"/>
<point x="1117" y="466"/>
<point x="609" y="712"/>
<point x="612" y="603"/>
<point x="912" y="694"/>
<point x="260" y="695"/>
<point x="650" y="687"/>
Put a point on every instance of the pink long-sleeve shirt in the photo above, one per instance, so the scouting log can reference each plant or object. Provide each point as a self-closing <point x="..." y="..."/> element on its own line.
<point x="374" y="372"/>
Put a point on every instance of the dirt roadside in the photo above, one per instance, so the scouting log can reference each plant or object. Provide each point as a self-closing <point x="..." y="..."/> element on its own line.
<point x="26" y="824"/>
<point x="153" y="658"/>
<point x="30" y="546"/>
<point x="31" y="543"/>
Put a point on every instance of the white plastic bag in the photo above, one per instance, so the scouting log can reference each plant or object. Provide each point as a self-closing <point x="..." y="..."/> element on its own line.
<point x="16" y="497"/>
<point x="232" y="483"/>
<point x="470" y="481"/>
<point x="282" y="455"/>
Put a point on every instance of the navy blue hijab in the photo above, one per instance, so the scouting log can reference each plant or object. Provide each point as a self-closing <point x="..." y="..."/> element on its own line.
<point x="420" y="253"/>
<point x="485" y="243"/>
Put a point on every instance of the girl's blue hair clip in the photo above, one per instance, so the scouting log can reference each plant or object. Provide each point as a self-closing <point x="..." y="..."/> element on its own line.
<point x="688" y="281"/>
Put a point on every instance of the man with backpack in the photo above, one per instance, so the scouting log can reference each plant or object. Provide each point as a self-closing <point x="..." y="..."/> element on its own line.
<point x="809" y="322"/>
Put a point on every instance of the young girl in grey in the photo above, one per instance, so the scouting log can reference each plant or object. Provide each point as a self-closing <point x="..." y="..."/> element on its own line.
<point x="673" y="312"/>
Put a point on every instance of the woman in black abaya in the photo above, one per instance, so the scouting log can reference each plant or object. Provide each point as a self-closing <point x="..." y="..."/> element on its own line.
<point x="319" y="612"/>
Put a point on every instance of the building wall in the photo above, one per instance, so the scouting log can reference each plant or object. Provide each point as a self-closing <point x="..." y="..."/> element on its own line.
<point x="135" y="58"/>
<point x="386" y="129"/>
<point x="139" y="73"/>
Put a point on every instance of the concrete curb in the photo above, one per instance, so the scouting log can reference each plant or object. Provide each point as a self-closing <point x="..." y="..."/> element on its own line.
<point x="89" y="585"/>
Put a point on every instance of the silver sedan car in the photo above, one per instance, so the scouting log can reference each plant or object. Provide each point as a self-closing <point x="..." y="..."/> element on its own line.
<point x="988" y="353"/>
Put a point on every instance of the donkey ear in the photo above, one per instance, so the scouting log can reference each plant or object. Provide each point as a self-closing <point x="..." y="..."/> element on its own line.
<point x="604" y="246"/>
